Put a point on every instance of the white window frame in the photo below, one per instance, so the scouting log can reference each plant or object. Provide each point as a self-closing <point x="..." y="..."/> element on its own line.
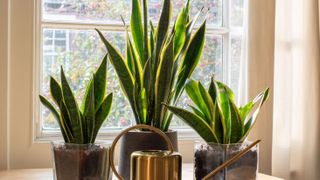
<point x="184" y="134"/>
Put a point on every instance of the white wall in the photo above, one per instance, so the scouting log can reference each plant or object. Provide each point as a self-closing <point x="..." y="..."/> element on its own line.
<point x="22" y="151"/>
<point x="3" y="83"/>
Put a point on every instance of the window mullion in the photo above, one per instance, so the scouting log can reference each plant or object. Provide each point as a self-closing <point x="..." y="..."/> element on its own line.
<point x="80" y="26"/>
<point x="226" y="41"/>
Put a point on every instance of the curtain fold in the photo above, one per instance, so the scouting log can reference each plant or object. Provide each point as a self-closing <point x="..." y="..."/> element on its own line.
<point x="242" y="97"/>
<point x="261" y="26"/>
<point x="296" y="127"/>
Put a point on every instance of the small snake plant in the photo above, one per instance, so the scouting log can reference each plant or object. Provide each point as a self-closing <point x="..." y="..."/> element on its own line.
<point x="216" y="118"/>
<point x="80" y="125"/>
<point x="158" y="61"/>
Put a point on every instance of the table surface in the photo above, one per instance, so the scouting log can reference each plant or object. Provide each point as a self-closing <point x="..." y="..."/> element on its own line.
<point x="46" y="174"/>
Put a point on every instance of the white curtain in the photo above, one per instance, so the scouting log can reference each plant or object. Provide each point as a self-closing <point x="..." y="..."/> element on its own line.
<point x="261" y="72"/>
<point x="243" y="76"/>
<point x="296" y="129"/>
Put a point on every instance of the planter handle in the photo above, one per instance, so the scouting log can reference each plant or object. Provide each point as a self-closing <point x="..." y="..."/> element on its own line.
<point x="151" y="128"/>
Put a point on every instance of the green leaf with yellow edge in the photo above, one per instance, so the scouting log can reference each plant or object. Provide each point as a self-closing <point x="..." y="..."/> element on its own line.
<point x="196" y="122"/>
<point x="56" y="115"/>
<point x="145" y="29"/>
<point x="218" y="127"/>
<point x="65" y="116"/>
<point x="193" y="91"/>
<point x="208" y="102"/>
<point x="236" y="123"/>
<point x="262" y="98"/>
<point x="89" y="112"/>
<point x="101" y="114"/>
<point x="180" y="32"/>
<point x="162" y="31"/>
<point x="136" y="27"/>
<point x="191" y="59"/>
<point x="55" y="90"/>
<point x="163" y="80"/>
<point x="223" y="102"/>
<point x="122" y="70"/>
<point x="73" y="109"/>
<point x="197" y="111"/>
<point x="100" y="82"/>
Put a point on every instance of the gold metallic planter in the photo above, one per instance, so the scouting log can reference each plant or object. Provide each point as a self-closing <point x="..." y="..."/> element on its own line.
<point x="151" y="164"/>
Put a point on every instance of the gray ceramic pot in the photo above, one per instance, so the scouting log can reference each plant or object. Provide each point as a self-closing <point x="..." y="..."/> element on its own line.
<point x="139" y="141"/>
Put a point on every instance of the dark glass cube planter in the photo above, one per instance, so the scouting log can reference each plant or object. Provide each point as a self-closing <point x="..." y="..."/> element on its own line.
<point x="209" y="156"/>
<point x="81" y="161"/>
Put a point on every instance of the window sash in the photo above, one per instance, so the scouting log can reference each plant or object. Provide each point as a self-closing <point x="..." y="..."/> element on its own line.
<point x="110" y="133"/>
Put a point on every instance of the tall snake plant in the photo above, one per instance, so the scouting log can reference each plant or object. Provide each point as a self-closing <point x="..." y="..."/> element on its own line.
<point x="158" y="61"/>
<point x="216" y="118"/>
<point x="80" y="125"/>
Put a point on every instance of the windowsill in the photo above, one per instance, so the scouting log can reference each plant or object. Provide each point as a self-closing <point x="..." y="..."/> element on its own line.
<point x="183" y="135"/>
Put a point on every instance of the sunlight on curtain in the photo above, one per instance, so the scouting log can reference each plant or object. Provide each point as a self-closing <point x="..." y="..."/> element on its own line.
<point x="242" y="97"/>
<point x="260" y="73"/>
<point x="297" y="90"/>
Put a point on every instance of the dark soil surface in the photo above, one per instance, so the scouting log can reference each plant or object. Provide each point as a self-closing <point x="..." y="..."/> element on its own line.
<point x="82" y="163"/>
<point x="207" y="158"/>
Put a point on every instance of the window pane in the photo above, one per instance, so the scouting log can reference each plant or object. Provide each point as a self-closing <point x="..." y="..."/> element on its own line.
<point x="236" y="13"/>
<point x="211" y="63"/>
<point x="109" y="11"/>
<point x="84" y="51"/>
<point x="234" y="65"/>
<point x="79" y="55"/>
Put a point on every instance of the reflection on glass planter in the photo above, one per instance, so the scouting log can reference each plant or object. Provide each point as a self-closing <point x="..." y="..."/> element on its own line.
<point x="210" y="156"/>
<point x="81" y="161"/>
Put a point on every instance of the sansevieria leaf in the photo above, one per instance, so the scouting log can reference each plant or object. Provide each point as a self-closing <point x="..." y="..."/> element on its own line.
<point x="193" y="91"/>
<point x="65" y="116"/>
<point x="89" y="112"/>
<point x="125" y="77"/>
<point x="216" y="117"/>
<point x="209" y="106"/>
<point x="55" y="91"/>
<point x="162" y="30"/>
<point x="163" y="79"/>
<point x="73" y="108"/>
<point x="236" y="123"/>
<point x="56" y="115"/>
<point x="100" y="82"/>
<point x="145" y="30"/>
<point x="137" y="28"/>
<point x="226" y="112"/>
<point x="191" y="59"/>
<point x="218" y="127"/>
<point x="146" y="75"/>
<point x="197" y="112"/>
<point x="198" y="124"/>
<point x="180" y="31"/>
<point x="262" y="97"/>
<point x="102" y="113"/>
<point x="80" y="126"/>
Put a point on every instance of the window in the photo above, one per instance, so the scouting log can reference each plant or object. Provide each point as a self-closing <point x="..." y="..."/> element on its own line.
<point x="67" y="38"/>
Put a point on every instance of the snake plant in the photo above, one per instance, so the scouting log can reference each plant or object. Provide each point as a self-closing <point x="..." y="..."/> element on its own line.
<point x="158" y="61"/>
<point x="216" y="118"/>
<point x="80" y="125"/>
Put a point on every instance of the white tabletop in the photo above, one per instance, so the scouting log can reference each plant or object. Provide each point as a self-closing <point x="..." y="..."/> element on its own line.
<point x="46" y="174"/>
